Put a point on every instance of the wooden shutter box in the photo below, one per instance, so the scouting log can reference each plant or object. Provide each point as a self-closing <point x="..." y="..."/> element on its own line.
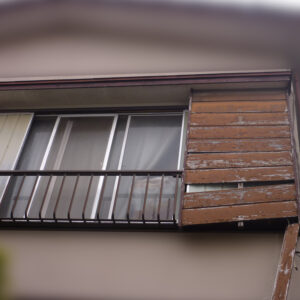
<point x="240" y="139"/>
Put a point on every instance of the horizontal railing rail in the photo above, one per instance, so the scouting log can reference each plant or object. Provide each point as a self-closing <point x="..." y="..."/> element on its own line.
<point x="165" y="202"/>
<point x="88" y="172"/>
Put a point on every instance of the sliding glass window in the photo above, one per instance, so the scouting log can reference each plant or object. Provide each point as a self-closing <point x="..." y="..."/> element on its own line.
<point x="107" y="142"/>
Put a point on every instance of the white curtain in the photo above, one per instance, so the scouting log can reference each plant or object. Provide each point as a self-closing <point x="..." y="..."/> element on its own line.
<point x="152" y="144"/>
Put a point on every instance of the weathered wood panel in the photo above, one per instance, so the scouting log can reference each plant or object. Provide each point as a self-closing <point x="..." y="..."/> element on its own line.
<point x="245" y="212"/>
<point x="239" y="95"/>
<point x="285" y="265"/>
<point x="239" y="132"/>
<point x="239" y="145"/>
<point x="258" y="194"/>
<point x="239" y="175"/>
<point x="241" y="119"/>
<point x="238" y="160"/>
<point x="244" y="106"/>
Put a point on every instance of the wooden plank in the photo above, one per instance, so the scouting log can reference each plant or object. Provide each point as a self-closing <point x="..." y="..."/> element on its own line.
<point x="258" y="194"/>
<point x="241" y="119"/>
<point x="239" y="175"/>
<point x="271" y="210"/>
<point x="285" y="265"/>
<point x="239" y="95"/>
<point x="239" y="132"/>
<point x="238" y="160"/>
<point x="239" y="145"/>
<point x="236" y="106"/>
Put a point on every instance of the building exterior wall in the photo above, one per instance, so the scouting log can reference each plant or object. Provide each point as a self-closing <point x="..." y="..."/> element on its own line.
<point x="134" y="265"/>
<point x="143" y="265"/>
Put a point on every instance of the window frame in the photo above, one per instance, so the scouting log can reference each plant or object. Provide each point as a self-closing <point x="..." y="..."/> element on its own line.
<point x="59" y="117"/>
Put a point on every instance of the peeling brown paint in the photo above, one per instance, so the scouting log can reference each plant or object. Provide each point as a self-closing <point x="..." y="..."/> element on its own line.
<point x="271" y="193"/>
<point x="240" y="119"/>
<point x="236" y="213"/>
<point x="285" y="265"/>
<point x="238" y="160"/>
<point x="239" y="132"/>
<point x="239" y="95"/>
<point x="243" y="106"/>
<point x="239" y="175"/>
<point x="239" y="145"/>
<point x="239" y="136"/>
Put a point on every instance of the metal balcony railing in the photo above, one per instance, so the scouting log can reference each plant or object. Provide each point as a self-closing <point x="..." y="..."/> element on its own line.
<point x="164" y="203"/>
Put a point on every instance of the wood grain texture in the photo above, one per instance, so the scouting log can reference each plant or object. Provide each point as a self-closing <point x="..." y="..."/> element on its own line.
<point x="238" y="160"/>
<point x="241" y="119"/>
<point x="239" y="145"/>
<point x="239" y="175"/>
<point x="258" y="194"/>
<point x="235" y="106"/>
<point x="285" y="265"/>
<point x="239" y="95"/>
<point x="239" y="132"/>
<point x="245" y="212"/>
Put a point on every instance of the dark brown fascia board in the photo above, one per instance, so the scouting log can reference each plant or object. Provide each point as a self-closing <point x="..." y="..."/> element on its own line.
<point x="280" y="76"/>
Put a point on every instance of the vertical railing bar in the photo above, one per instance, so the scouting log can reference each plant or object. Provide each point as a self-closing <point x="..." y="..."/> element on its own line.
<point x="58" y="197"/>
<point x="168" y="208"/>
<point x="101" y="198"/>
<point x="73" y="196"/>
<point x="44" y="198"/>
<point x="31" y="197"/>
<point x="130" y="198"/>
<point x="17" y="197"/>
<point x="175" y="199"/>
<point x="115" y="199"/>
<point x="87" y="197"/>
<point x="160" y="196"/>
<point x="145" y="198"/>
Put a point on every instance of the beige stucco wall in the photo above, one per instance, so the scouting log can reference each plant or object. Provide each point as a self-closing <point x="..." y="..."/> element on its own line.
<point x="143" y="265"/>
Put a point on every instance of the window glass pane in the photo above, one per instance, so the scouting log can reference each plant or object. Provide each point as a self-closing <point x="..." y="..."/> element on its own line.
<point x="80" y="144"/>
<point x="30" y="159"/>
<point x="152" y="144"/>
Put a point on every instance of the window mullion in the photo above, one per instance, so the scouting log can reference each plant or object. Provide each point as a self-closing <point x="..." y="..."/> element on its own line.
<point x="110" y="212"/>
<point x="104" y="165"/>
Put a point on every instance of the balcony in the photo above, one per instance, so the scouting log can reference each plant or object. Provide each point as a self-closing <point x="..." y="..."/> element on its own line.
<point x="91" y="197"/>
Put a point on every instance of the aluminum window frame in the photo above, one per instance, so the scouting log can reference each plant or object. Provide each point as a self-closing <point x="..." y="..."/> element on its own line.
<point x="115" y="116"/>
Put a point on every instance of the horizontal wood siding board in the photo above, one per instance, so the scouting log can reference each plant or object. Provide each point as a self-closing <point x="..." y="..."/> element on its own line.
<point x="239" y="175"/>
<point x="239" y="132"/>
<point x="236" y="106"/>
<point x="238" y="160"/>
<point x="238" y="145"/>
<point x="240" y="119"/>
<point x="239" y="95"/>
<point x="241" y="145"/>
<point x="258" y="194"/>
<point x="245" y="212"/>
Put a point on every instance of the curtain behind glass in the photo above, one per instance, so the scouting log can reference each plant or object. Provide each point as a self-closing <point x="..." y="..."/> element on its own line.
<point x="152" y="144"/>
